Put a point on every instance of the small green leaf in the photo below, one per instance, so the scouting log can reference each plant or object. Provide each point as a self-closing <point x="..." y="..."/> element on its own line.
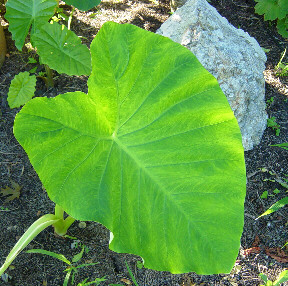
<point x="285" y="244"/>
<point x="271" y="122"/>
<point x="139" y="264"/>
<point x="31" y="61"/>
<point x="264" y="195"/>
<point x="97" y="281"/>
<point x="33" y="70"/>
<point x="78" y="256"/>
<point x="50" y="253"/>
<point x="276" y="191"/>
<point x="131" y="274"/>
<point x="281" y="203"/>
<point x="62" y="50"/>
<point x="85" y="265"/>
<point x="266" y="51"/>
<point x="67" y="277"/>
<point x="282" y="145"/>
<point x="83" y="5"/>
<point x="21" y="89"/>
<point x="21" y="14"/>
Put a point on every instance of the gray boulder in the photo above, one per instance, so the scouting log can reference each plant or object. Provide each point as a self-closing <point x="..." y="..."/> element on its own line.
<point x="231" y="55"/>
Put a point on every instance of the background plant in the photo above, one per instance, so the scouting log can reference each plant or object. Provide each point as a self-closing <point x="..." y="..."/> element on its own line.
<point x="283" y="182"/>
<point x="274" y="10"/>
<point x="281" y="67"/>
<point x="271" y="122"/>
<point x="73" y="266"/>
<point x="283" y="277"/>
<point x="55" y="43"/>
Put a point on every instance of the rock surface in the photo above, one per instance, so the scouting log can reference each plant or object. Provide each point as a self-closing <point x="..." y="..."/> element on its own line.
<point x="231" y="55"/>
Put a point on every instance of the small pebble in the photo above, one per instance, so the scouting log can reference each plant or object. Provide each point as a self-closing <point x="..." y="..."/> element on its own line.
<point x="5" y="277"/>
<point x="82" y="224"/>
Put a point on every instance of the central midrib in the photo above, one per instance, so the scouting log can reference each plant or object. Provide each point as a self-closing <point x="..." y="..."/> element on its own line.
<point x="161" y="187"/>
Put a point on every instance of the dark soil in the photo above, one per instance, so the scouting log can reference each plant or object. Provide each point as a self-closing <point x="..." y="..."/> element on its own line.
<point x="266" y="165"/>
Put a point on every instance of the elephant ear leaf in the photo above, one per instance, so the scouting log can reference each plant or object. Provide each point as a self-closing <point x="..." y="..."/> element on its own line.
<point x="21" y="14"/>
<point x="153" y="152"/>
<point x="83" y="5"/>
<point x="56" y="44"/>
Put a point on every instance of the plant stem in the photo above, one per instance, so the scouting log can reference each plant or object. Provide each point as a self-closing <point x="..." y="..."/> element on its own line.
<point x="62" y="225"/>
<point x="27" y="237"/>
<point x="49" y="77"/>
<point x="70" y="18"/>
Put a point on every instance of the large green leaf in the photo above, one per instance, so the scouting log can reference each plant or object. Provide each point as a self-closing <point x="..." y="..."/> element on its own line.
<point x="21" y="14"/>
<point x="62" y="50"/>
<point x="83" y="5"/>
<point x="153" y="152"/>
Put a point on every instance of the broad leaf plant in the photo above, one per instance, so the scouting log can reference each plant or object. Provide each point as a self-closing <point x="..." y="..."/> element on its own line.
<point x="58" y="47"/>
<point x="153" y="152"/>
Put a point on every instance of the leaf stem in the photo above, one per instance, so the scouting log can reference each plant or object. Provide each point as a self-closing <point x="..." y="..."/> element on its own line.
<point x="49" y="77"/>
<point x="38" y="226"/>
<point x="70" y="18"/>
<point x="62" y="225"/>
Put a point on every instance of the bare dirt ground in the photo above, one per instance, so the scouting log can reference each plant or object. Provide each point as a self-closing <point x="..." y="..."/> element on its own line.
<point x="261" y="240"/>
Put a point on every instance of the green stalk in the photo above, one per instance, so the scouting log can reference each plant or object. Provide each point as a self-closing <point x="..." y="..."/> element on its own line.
<point x="39" y="225"/>
<point x="62" y="225"/>
<point x="70" y="18"/>
<point x="49" y="77"/>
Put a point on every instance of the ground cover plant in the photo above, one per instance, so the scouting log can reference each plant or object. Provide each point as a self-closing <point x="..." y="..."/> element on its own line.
<point x="272" y="10"/>
<point x="32" y="269"/>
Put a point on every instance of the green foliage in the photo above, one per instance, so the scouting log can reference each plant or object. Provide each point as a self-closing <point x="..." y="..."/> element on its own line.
<point x="153" y="152"/>
<point x="279" y="204"/>
<point x="56" y="44"/>
<point x="21" y="14"/>
<point x="283" y="277"/>
<point x="50" y="253"/>
<point x="60" y="224"/>
<point x="282" y="145"/>
<point x="270" y="100"/>
<point x="272" y="10"/>
<point x="282" y="26"/>
<point x="38" y="226"/>
<point x="131" y="274"/>
<point x="271" y="122"/>
<point x="72" y="269"/>
<point x="21" y="89"/>
<point x="282" y="68"/>
<point x="83" y="5"/>
<point x="264" y="195"/>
